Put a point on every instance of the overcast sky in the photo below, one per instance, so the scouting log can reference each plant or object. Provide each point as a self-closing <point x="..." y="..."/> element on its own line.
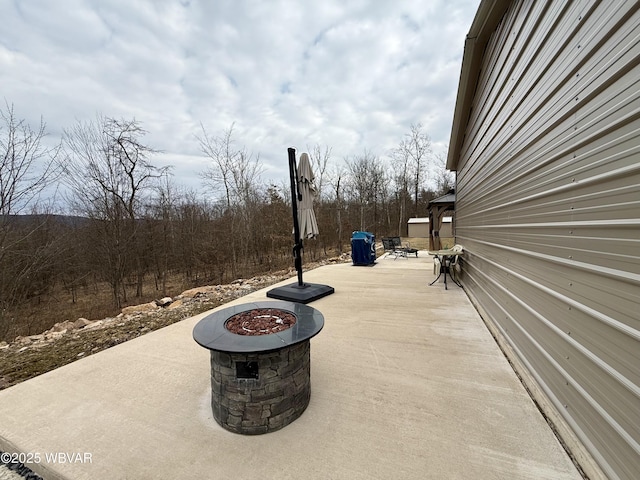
<point x="351" y="75"/>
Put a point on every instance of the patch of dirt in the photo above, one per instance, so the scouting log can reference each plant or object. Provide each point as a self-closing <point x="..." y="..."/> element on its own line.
<point x="27" y="357"/>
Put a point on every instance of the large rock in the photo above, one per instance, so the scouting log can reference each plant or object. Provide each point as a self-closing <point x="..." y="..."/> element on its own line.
<point x="96" y="324"/>
<point x="164" y="302"/>
<point x="199" y="290"/>
<point x="81" y="323"/>
<point x="54" y="335"/>
<point x="62" y="326"/>
<point x="145" y="307"/>
<point x="177" y="304"/>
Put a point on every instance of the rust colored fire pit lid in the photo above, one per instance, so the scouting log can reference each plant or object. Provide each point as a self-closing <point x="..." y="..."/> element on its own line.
<point x="211" y="332"/>
<point x="260" y="321"/>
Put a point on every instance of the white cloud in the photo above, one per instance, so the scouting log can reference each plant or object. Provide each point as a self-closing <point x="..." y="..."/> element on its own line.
<point x="351" y="75"/>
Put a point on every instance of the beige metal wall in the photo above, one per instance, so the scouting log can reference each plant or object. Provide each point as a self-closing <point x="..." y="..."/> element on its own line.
<point x="418" y="229"/>
<point x="548" y="211"/>
<point x="421" y="229"/>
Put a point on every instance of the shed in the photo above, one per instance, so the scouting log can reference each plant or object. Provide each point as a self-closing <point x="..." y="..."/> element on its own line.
<point x="545" y="144"/>
<point x="418" y="227"/>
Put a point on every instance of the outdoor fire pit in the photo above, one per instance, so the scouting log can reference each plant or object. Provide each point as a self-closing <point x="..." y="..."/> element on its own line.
<point x="260" y="363"/>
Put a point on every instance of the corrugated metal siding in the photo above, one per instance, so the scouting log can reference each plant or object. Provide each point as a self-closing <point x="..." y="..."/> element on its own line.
<point x="548" y="210"/>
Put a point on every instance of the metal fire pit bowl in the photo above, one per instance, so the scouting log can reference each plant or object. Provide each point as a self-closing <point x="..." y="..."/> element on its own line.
<point x="259" y="383"/>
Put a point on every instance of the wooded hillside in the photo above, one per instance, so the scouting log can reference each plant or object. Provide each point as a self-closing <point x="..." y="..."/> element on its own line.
<point x="95" y="214"/>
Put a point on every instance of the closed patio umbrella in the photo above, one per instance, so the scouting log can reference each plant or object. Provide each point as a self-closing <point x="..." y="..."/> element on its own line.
<point x="304" y="226"/>
<point x="307" y="193"/>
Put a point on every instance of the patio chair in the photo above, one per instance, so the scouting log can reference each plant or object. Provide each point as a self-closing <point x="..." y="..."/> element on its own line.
<point x="452" y="263"/>
<point x="436" y="264"/>
<point x="406" y="248"/>
<point x="390" y="248"/>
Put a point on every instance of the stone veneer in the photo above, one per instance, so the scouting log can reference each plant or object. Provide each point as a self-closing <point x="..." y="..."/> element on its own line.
<point x="274" y="388"/>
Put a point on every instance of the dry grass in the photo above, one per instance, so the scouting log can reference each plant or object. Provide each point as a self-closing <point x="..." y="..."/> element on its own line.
<point x="417" y="242"/>
<point x="93" y="303"/>
<point x="422" y="243"/>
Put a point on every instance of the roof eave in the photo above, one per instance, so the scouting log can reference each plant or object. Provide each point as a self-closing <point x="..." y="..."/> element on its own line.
<point x="487" y="18"/>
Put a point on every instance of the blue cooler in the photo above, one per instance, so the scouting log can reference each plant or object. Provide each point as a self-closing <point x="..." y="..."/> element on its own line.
<point x="363" y="248"/>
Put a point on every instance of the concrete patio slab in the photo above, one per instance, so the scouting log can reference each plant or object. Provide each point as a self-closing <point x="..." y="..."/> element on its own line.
<point x="407" y="382"/>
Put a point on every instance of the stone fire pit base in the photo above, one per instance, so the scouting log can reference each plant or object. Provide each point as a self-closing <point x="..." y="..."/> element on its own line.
<point x="260" y="363"/>
<point x="255" y="393"/>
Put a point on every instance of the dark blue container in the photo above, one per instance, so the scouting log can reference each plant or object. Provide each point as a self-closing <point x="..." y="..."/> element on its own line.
<point x="363" y="248"/>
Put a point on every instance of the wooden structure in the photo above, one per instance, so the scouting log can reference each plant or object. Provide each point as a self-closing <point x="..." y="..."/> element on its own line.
<point x="437" y="209"/>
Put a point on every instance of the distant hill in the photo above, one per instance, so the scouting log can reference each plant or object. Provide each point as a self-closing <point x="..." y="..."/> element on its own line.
<point x="25" y="220"/>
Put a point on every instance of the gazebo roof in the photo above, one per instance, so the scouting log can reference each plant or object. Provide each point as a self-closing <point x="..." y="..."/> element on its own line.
<point x="449" y="197"/>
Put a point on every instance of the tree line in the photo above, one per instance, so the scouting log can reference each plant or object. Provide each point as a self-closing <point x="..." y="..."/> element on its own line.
<point x="95" y="210"/>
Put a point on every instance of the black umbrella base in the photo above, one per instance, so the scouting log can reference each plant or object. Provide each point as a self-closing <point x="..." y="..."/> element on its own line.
<point x="305" y="293"/>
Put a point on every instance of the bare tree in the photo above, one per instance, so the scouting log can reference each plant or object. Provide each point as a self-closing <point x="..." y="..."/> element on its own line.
<point x="27" y="168"/>
<point x="163" y="218"/>
<point x="336" y="180"/>
<point x="233" y="170"/>
<point x="444" y="179"/>
<point x="366" y="184"/>
<point x="319" y="157"/>
<point x="411" y="158"/>
<point x="238" y="174"/>
<point x="193" y="218"/>
<point x="400" y="161"/>
<point x="219" y="149"/>
<point x="108" y="171"/>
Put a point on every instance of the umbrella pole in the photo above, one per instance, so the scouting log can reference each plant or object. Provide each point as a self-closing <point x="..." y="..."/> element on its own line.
<point x="300" y="292"/>
<point x="295" y="196"/>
